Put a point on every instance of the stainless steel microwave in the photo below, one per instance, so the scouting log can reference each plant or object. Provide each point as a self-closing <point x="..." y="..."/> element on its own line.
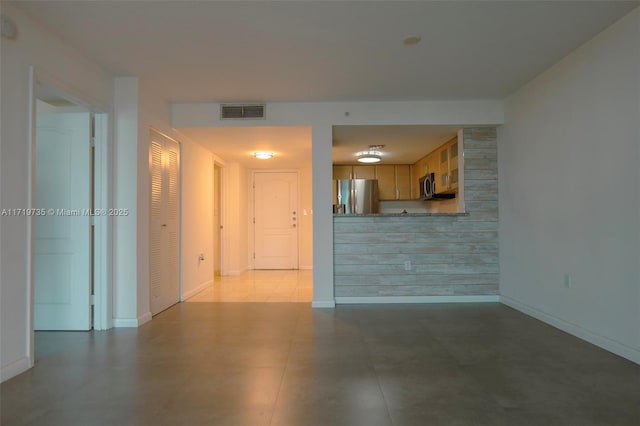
<point x="427" y="185"/>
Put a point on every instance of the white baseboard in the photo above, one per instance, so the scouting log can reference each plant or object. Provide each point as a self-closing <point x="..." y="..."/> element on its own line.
<point x="13" y="369"/>
<point x="418" y="299"/>
<point x="323" y="304"/>
<point x="632" y="354"/>
<point x="196" y="290"/>
<point x="132" y="322"/>
<point x="144" y="318"/>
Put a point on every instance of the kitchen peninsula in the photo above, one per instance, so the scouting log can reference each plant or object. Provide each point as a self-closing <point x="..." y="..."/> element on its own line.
<point x="393" y="256"/>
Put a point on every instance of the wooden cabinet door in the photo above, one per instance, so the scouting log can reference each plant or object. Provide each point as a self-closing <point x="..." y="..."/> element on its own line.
<point x="453" y="164"/>
<point x="364" y="172"/>
<point x="433" y="164"/>
<point x="442" y="177"/>
<point x="403" y="182"/>
<point x="418" y="170"/>
<point x="386" y="182"/>
<point x="342" y="172"/>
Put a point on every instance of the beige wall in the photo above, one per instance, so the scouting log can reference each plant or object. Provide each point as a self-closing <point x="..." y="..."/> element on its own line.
<point x="197" y="218"/>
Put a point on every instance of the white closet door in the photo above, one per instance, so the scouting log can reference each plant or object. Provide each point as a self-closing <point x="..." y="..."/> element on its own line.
<point x="164" y="232"/>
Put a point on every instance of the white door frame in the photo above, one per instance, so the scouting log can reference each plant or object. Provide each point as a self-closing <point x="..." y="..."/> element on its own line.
<point x="102" y="273"/>
<point x="219" y="186"/>
<point x="225" y="243"/>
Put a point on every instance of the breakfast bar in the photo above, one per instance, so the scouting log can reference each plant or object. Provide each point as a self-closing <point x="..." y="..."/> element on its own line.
<point x="429" y="255"/>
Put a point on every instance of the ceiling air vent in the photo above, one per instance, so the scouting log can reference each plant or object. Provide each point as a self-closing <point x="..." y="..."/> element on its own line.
<point x="242" y="112"/>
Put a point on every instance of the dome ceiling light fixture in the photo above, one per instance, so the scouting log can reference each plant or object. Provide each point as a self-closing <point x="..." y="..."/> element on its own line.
<point x="411" y="40"/>
<point x="372" y="155"/>
<point x="263" y="155"/>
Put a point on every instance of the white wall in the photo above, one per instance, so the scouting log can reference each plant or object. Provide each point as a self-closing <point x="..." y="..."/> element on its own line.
<point x="74" y="74"/>
<point x="125" y="196"/>
<point x="197" y="218"/>
<point x="235" y="258"/>
<point x="569" y="173"/>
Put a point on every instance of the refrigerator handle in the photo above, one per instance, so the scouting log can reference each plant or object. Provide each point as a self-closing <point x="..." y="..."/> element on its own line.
<point x="354" y="200"/>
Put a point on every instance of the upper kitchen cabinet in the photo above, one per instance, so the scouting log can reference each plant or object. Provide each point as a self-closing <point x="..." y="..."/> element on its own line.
<point x="394" y="181"/>
<point x="443" y="162"/>
<point x="353" y="172"/>
<point x="364" y="172"/>
<point x="342" y="172"/>
<point x="453" y="164"/>
<point x="386" y="176"/>
<point x="447" y="174"/>
<point x="404" y="181"/>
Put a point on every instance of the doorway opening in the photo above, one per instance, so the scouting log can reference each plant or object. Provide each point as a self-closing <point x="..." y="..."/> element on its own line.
<point x="269" y="276"/>
<point x="69" y="260"/>
<point x="217" y="219"/>
<point x="63" y="231"/>
<point x="69" y="232"/>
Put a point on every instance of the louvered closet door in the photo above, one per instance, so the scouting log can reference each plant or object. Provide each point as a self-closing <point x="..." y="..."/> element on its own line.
<point x="164" y="232"/>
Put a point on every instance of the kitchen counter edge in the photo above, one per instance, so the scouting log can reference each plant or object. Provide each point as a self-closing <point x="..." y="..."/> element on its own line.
<point x="335" y="215"/>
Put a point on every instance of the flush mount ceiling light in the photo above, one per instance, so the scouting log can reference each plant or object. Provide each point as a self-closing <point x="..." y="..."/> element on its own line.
<point x="411" y="40"/>
<point x="372" y="155"/>
<point x="263" y="155"/>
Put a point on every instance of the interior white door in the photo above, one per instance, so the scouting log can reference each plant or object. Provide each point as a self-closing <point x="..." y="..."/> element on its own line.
<point x="164" y="231"/>
<point x="276" y="220"/>
<point x="62" y="237"/>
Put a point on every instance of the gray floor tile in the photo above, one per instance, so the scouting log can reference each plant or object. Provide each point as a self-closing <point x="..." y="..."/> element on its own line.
<point x="286" y="364"/>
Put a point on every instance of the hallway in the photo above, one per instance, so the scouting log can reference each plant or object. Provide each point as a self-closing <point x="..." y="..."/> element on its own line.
<point x="260" y="286"/>
<point x="250" y="364"/>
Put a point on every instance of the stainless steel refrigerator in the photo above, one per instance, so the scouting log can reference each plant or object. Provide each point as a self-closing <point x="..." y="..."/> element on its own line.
<point x="357" y="196"/>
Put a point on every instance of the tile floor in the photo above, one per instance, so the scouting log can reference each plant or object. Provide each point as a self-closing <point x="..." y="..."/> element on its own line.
<point x="260" y="286"/>
<point x="285" y="364"/>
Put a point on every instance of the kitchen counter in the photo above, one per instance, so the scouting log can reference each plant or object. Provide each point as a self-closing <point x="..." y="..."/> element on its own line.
<point x="400" y="214"/>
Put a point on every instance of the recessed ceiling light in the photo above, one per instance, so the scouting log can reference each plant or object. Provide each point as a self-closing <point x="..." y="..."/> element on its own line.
<point x="411" y="40"/>
<point x="263" y="155"/>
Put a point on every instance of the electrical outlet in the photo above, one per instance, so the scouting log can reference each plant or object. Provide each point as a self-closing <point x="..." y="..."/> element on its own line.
<point x="407" y="265"/>
<point x="568" y="281"/>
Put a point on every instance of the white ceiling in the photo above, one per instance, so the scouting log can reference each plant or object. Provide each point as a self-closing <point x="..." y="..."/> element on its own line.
<point x="327" y="50"/>
<point x="291" y="145"/>
<point x="240" y="51"/>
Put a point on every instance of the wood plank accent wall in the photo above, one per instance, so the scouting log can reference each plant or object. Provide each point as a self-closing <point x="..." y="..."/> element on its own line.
<point x="449" y="254"/>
